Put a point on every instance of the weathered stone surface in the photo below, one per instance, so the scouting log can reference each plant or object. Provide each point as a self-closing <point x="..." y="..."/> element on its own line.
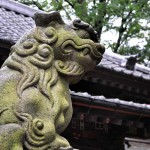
<point x="35" y="102"/>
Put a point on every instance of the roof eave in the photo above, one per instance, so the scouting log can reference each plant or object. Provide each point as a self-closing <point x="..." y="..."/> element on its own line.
<point x="6" y="43"/>
<point x="110" y="106"/>
<point x="18" y="8"/>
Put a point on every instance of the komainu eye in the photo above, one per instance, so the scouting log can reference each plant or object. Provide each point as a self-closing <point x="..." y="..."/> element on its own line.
<point x="85" y="51"/>
<point x="67" y="49"/>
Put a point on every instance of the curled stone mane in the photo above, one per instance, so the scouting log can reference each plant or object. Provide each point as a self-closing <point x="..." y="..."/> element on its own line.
<point x="35" y="61"/>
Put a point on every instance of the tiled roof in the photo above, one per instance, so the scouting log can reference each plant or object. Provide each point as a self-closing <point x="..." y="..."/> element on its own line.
<point x="13" y="24"/>
<point x="16" y="19"/>
<point x="114" y="102"/>
<point x="117" y="63"/>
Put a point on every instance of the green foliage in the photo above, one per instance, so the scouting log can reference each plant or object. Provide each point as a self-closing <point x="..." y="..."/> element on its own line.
<point x="124" y="18"/>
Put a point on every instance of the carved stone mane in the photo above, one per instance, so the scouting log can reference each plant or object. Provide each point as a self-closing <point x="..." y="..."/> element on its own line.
<point x="35" y="101"/>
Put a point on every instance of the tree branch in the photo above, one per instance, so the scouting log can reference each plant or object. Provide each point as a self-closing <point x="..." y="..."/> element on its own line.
<point x="99" y="22"/>
<point x="69" y="3"/>
<point x="122" y="29"/>
<point x="67" y="13"/>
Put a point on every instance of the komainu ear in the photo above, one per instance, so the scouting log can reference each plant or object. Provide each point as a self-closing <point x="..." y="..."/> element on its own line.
<point x="43" y="18"/>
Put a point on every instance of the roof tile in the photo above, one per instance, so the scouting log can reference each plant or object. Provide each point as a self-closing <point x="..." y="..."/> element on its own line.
<point x="13" y="25"/>
<point x="113" y="100"/>
<point x="117" y="63"/>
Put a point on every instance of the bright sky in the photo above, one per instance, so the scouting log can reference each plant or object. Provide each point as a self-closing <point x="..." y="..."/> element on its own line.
<point x="111" y="36"/>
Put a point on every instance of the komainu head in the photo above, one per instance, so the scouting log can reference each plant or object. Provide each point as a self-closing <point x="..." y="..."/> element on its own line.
<point x="54" y="48"/>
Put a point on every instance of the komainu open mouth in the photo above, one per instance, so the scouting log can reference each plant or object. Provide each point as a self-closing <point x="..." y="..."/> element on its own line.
<point x="70" y="68"/>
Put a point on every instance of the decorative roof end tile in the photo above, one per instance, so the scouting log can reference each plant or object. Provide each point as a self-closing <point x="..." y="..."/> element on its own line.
<point x="131" y="61"/>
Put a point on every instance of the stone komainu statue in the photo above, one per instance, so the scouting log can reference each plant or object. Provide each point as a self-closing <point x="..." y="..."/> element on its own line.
<point x="35" y="104"/>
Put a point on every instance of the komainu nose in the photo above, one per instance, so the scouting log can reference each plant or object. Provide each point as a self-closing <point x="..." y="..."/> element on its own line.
<point x="100" y="48"/>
